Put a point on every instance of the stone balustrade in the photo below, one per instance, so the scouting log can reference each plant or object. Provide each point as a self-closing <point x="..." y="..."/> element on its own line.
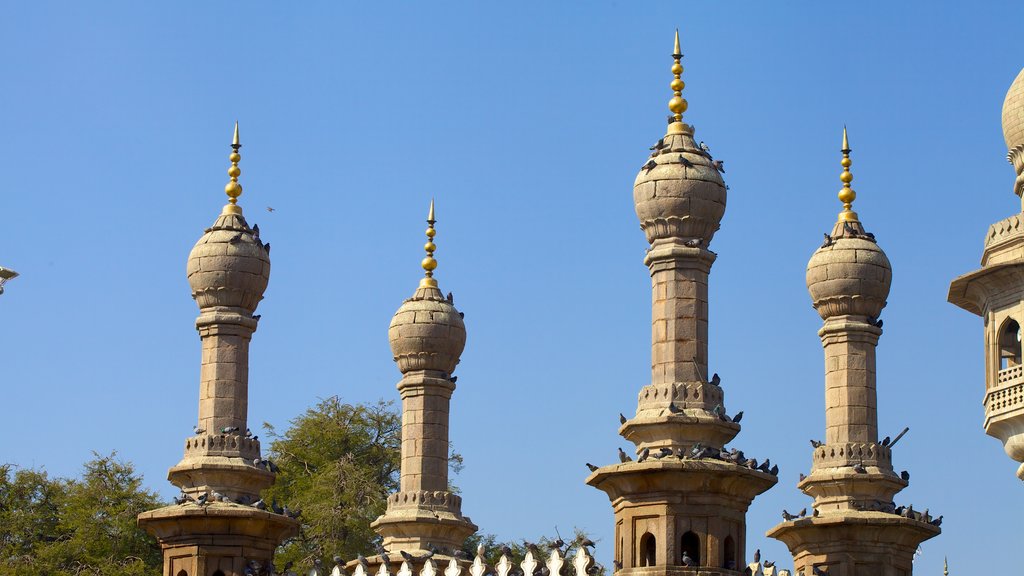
<point x="1008" y="394"/>
<point x="839" y="455"/>
<point x="228" y="445"/>
<point x="440" y="499"/>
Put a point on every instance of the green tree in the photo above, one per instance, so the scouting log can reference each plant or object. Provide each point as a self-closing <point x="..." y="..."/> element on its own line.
<point x="83" y="526"/>
<point x="338" y="462"/>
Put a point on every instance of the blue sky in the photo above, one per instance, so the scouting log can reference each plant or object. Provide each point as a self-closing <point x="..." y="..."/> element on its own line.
<point x="527" y="122"/>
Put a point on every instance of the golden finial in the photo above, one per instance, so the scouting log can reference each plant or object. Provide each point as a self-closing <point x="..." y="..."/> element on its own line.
<point x="677" y="104"/>
<point x="429" y="264"/>
<point x="233" y="189"/>
<point x="847" y="195"/>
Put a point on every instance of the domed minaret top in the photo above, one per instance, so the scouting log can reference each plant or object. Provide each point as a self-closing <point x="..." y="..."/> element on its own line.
<point x="849" y="274"/>
<point x="1013" y="129"/>
<point x="229" y="265"/>
<point x="679" y="192"/>
<point x="427" y="332"/>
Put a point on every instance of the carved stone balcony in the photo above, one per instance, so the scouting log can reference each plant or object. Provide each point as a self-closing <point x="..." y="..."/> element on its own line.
<point x="1004" y="412"/>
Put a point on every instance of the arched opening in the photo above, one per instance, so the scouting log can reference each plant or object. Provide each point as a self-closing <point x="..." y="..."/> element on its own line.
<point x="690" y="546"/>
<point x="182" y="572"/>
<point x="648" y="550"/>
<point x="1009" y="344"/>
<point x="729" y="554"/>
<point x="218" y="573"/>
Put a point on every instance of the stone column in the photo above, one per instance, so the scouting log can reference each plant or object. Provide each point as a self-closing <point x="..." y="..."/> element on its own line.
<point x="851" y="412"/>
<point x="224" y="375"/>
<point x="425" y="399"/>
<point x="679" y="319"/>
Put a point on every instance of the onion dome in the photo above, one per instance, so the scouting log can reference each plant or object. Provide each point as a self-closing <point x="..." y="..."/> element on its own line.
<point x="1013" y="129"/>
<point x="427" y="332"/>
<point x="230" y="266"/>
<point x="849" y="274"/>
<point x="679" y="193"/>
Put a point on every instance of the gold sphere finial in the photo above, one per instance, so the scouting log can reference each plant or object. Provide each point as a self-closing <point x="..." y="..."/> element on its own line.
<point x="677" y="104"/>
<point x="429" y="263"/>
<point x="233" y="189"/>
<point x="847" y="195"/>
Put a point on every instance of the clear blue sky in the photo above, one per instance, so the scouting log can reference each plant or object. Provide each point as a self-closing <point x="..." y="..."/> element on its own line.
<point x="528" y="122"/>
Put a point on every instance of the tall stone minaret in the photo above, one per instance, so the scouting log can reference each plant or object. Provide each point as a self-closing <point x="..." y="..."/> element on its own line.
<point x="686" y="502"/>
<point x="855" y="528"/>
<point x="218" y="531"/>
<point x="996" y="293"/>
<point x="427" y="337"/>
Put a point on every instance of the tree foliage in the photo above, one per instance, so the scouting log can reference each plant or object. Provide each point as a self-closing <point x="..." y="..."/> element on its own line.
<point x="83" y="526"/>
<point x="338" y="462"/>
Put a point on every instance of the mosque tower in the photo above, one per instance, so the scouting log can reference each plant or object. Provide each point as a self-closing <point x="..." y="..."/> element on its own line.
<point x="427" y="337"/>
<point x="681" y="506"/>
<point x="996" y="293"/>
<point x="854" y="528"/>
<point x="221" y="526"/>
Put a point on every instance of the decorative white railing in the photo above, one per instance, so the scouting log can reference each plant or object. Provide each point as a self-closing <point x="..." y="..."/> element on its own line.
<point x="581" y="564"/>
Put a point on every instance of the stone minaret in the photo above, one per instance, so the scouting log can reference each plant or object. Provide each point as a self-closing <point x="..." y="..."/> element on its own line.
<point x="689" y="506"/>
<point x="217" y="531"/>
<point x="427" y="337"/>
<point x="996" y="293"/>
<point x="854" y="529"/>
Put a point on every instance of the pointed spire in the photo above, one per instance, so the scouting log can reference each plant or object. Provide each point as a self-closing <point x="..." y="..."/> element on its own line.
<point x="945" y="566"/>
<point x="429" y="264"/>
<point x="847" y="195"/>
<point x="677" y="104"/>
<point x="233" y="189"/>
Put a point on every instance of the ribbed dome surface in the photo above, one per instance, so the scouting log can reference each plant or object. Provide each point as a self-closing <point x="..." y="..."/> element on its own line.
<point x="229" y="265"/>
<point x="851" y="275"/>
<point x="1013" y="113"/>
<point x="427" y="333"/>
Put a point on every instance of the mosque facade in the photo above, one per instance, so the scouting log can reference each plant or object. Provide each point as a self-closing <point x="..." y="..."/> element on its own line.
<point x="679" y="496"/>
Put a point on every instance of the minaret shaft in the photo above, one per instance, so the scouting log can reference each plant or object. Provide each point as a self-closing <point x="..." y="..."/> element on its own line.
<point x="679" y="319"/>
<point x="851" y="412"/>
<point x="224" y="375"/>
<point x="425" y="403"/>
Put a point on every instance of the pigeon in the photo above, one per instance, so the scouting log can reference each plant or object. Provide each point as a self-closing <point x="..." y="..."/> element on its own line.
<point x="257" y="317"/>
<point x="622" y="418"/>
<point x="774" y="470"/>
<point x="229" y="429"/>
<point x="886" y="441"/>
<point x="623" y="457"/>
<point x="663" y="453"/>
<point x="248" y="433"/>
<point x="198" y="430"/>
<point x="802" y="513"/>
<point x="818" y="571"/>
<point x="235" y="239"/>
<point x="673" y="409"/>
<point x="658" y="145"/>
<point x="649" y="165"/>
<point x="739" y="416"/>
<point x="591" y="467"/>
<point x="260" y="504"/>
<point x="686" y="560"/>
<point x="267" y="248"/>
<point x="202" y="499"/>
<point x="506" y="551"/>
<point x="408" y="557"/>
<point x="275" y="508"/>
<point x="616" y="565"/>
<point x="450" y="298"/>
<point x="720" y="166"/>
<point x="453" y="379"/>
<point x="716" y="380"/>
<point x="671" y="118"/>
<point x="870" y="236"/>
<point x="643" y="455"/>
<point x="827" y="242"/>
<point x="817" y="443"/>
<point x="256" y="231"/>
<point x="757" y="555"/>
<point x="587" y="543"/>
<point x="905" y="476"/>
<point x="937" y="521"/>
<point x="815" y="513"/>
<point x="384" y="559"/>
<point x="685" y="162"/>
<point x="364" y="563"/>
<point x="719" y="411"/>
<point x="848" y="229"/>
<point x="184" y="498"/>
<point x="704" y="147"/>
<point x="218" y="497"/>
<point x="269" y="209"/>
<point x="693" y="243"/>
<point x="768" y="564"/>
<point x="766" y="465"/>
<point x="462" y="315"/>
<point x="877" y="322"/>
<point x="787" y="516"/>
<point x="859" y="468"/>
<point x="557" y="544"/>
<point x="802" y="476"/>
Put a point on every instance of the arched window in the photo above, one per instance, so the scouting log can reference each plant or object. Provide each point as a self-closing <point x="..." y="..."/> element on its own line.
<point x="729" y="553"/>
<point x="1009" y="344"/>
<point x="182" y="572"/>
<point x="648" y="550"/>
<point x="690" y="545"/>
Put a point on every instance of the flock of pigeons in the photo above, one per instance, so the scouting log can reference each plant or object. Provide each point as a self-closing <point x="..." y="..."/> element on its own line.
<point x="255" y="233"/>
<point x="704" y="151"/>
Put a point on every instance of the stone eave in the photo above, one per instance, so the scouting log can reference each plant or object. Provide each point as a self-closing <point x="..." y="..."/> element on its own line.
<point x="970" y="290"/>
